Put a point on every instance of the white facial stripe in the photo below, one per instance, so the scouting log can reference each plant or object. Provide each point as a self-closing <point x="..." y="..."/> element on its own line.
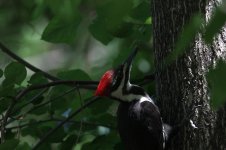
<point x="128" y="97"/>
<point x="118" y="92"/>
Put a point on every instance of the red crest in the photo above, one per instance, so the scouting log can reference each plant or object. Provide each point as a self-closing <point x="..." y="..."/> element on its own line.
<point x="103" y="88"/>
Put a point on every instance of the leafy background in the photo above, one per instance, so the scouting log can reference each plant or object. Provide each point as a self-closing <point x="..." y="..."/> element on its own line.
<point x="80" y="40"/>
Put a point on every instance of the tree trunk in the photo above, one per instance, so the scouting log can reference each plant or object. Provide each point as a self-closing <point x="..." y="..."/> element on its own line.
<point x="182" y="85"/>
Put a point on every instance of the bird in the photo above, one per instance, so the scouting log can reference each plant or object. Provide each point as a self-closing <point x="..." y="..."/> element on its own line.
<point x="139" y="121"/>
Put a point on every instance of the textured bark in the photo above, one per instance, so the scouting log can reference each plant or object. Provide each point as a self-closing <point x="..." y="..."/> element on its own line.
<point x="182" y="86"/>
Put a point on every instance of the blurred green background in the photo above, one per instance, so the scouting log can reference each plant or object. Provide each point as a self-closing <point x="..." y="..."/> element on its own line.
<point x="80" y="40"/>
<point x="73" y="40"/>
<point x="92" y="35"/>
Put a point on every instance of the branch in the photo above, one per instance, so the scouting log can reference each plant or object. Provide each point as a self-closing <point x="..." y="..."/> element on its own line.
<point x="56" y="81"/>
<point x="30" y="101"/>
<point x="81" y="84"/>
<point x="25" y="63"/>
<point x="47" y="75"/>
<point x="41" y="86"/>
<point x="58" y="120"/>
<point x="2" y="130"/>
<point x="14" y="101"/>
<point x="43" y="104"/>
<point x="5" y="118"/>
<point x="42" y="140"/>
<point x="51" y="100"/>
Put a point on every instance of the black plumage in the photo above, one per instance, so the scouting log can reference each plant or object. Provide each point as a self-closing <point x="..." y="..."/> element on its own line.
<point x="139" y="121"/>
<point x="140" y="125"/>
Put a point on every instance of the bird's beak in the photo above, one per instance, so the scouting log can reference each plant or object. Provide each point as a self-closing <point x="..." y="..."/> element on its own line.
<point x="128" y="61"/>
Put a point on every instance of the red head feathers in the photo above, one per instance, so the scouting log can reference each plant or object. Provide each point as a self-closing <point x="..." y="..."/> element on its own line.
<point x="103" y="88"/>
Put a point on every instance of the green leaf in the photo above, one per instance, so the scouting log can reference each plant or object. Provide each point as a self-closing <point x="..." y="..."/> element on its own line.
<point x="109" y="21"/>
<point x="1" y="73"/>
<point x="37" y="131"/>
<point x="15" y="73"/>
<point x="57" y="136"/>
<point x="144" y="34"/>
<point x="10" y="134"/>
<point x="123" y="30"/>
<point x="217" y="84"/>
<point x="61" y="30"/>
<point x="102" y="142"/>
<point x="70" y="100"/>
<point x="105" y="120"/>
<point x="63" y="8"/>
<point x="23" y="146"/>
<point x="99" y="31"/>
<point x="64" y="98"/>
<point x="6" y="91"/>
<point x="142" y="11"/>
<point x="69" y="143"/>
<point x="215" y="24"/>
<point x="110" y="16"/>
<point x="61" y="104"/>
<point x="186" y="38"/>
<point x="101" y="106"/>
<point x="40" y="111"/>
<point x="37" y="78"/>
<point x="148" y="21"/>
<point x="84" y="115"/>
<point x="35" y="96"/>
<point x="63" y="27"/>
<point x="40" y="130"/>
<point x="76" y="74"/>
<point x="4" y="104"/>
<point x="9" y="144"/>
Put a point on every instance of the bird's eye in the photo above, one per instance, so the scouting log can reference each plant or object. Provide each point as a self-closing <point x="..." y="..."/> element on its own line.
<point x="120" y="74"/>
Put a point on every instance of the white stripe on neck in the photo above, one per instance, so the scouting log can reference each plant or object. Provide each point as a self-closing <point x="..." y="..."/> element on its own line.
<point x="145" y="99"/>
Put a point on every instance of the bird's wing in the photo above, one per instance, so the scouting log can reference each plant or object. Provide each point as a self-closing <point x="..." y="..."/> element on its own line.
<point x="151" y="119"/>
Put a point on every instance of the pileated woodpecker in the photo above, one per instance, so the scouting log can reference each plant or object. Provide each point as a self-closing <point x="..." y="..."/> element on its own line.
<point x="139" y="121"/>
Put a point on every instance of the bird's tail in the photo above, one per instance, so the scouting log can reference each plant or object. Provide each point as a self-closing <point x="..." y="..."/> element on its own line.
<point x="167" y="130"/>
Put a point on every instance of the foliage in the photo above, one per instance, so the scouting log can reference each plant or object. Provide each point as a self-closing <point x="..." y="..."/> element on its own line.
<point x="14" y="73"/>
<point x="39" y="108"/>
<point x="215" y="24"/>
<point x="217" y="84"/>
<point x="187" y="35"/>
<point x="34" y="105"/>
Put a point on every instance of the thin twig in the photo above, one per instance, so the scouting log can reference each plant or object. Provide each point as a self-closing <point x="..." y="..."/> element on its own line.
<point x="54" y="83"/>
<point x="43" y="139"/>
<point x="25" y="63"/>
<point x="57" y="120"/>
<point x="41" y="86"/>
<point x="5" y="118"/>
<point x="81" y="122"/>
<point x="41" y="105"/>
<point x="2" y="129"/>
<point x="35" y="69"/>
<point x="52" y="100"/>
<point x="14" y="101"/>
<point x="30" y="101"/>
<point x="49" y="101"/>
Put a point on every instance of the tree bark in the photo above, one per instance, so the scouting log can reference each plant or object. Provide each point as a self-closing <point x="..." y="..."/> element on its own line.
<point x="182" y="85"/>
